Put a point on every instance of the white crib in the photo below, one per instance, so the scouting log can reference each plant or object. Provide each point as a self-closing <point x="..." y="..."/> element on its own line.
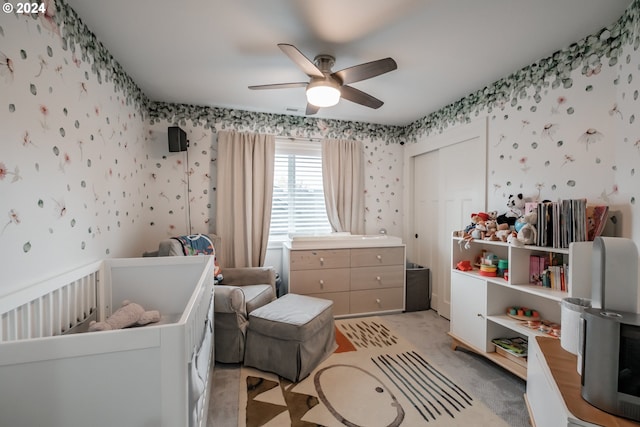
<point x="52" y="374"/>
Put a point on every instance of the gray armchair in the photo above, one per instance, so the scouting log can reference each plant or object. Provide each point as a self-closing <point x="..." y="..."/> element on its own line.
<point x="241" y="291"/>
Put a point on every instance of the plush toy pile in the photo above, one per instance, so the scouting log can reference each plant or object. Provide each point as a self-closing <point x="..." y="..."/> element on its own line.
<point x="130" y="314"/>
<point x="513" y="226"/>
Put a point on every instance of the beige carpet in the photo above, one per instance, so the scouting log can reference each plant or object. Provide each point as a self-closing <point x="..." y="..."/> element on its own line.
<point x="375" y="378"/>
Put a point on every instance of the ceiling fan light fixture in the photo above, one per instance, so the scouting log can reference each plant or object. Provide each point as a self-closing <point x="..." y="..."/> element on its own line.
<point x="323" y="93"/>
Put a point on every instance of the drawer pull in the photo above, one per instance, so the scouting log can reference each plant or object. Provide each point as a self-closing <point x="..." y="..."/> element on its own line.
<point x="378" y="278"/>
<point x="379" y="257"/>
<point x="321" y="261"/>
<point x="378" y="301"/>
<point x="321" y="284"/>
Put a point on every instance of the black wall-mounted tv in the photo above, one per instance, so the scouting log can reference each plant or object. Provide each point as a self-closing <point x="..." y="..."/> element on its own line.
<point x="177" y="139"/>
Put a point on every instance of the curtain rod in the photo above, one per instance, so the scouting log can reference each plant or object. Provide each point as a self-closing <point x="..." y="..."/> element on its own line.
<point x="295" y="138"/>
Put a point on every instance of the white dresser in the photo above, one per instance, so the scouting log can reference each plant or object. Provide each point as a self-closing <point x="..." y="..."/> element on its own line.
<point x="360" y="274"/>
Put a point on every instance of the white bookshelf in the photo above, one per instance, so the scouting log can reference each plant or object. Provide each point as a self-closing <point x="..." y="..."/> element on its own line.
<point x="479" y="303"/>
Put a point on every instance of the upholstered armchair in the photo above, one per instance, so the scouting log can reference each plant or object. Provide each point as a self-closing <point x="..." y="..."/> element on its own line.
<point x="241" y="291"/>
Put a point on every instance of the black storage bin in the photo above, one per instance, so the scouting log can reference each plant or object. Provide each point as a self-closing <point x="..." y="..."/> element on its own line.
<point x="418" y="295"/>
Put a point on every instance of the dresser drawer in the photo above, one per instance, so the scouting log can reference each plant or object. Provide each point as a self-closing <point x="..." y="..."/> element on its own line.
<point x="366" y="257"/>
<point x="377" y="300"/>
<point x="340" y="301"/>
<point x="317" y="281"/>
<point x="317" y="259"/>
<point x="391" y="276"/>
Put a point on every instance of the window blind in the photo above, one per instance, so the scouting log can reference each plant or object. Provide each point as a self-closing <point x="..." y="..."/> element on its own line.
<point x="298" y="197"/>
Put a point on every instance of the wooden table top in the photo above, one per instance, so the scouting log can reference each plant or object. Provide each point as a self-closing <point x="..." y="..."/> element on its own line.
<point x="563" y="366"/>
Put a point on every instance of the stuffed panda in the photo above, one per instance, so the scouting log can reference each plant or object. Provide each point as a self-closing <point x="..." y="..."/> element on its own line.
<point x="515" y="209"/>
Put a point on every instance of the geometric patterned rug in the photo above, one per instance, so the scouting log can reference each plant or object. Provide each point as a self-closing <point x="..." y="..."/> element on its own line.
<point x="374" y="378"/>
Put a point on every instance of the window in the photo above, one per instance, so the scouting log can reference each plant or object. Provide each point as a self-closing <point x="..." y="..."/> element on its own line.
<point x="298" y="196"/>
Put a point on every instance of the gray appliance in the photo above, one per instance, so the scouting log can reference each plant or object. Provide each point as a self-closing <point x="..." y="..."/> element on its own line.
<point x="611" y="361"/>
<point x="610" y="331"/>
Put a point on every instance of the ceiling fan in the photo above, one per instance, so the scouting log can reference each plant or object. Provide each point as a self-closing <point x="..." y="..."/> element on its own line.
<point x="325" y="88"/>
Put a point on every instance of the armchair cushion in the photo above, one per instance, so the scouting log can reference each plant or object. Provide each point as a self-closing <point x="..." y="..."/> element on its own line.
<point x="250" y="276"/>
<point x="241" y="299"/>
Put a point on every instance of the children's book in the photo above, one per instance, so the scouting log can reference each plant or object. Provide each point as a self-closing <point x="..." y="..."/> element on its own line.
<point x="596" y="220"/>
<point x="517" y="346"/>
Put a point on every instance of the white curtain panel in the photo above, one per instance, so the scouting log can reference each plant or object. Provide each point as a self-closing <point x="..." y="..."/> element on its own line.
<point x="244" y="197"/>
<point x="343" y="181"/>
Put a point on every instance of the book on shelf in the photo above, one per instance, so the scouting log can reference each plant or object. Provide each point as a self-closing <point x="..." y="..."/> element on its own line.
<point x="596" y="220"/>
<point x="565" y="221"/>
<point x="517" y="346"/>
<point x="549" y="271"/>
<point x="534" y="270"/>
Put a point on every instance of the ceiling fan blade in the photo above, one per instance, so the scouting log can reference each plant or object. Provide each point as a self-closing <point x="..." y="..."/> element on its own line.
<point x="279" y="86"/>
<point x="311" y="109"/>
<point x="366" y="70"/>
<point x="301" y="61"/>
<point x="359" y="97"/>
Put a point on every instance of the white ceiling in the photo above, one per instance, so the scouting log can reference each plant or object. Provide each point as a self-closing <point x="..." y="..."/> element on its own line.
<point x="206" y="52"/>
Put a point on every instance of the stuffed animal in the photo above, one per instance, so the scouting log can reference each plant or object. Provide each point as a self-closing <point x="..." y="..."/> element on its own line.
<point x="475" y="219"/>
<point x="512" y="239"/>
<point x="503" y="233"/>
<point x="527" y="234"/>
<point x="492" y="228"/>
<point x="475" y="230"/>
<point x="130" y="314"/>
<point x="515" y="209"/>
<point x="479" y="231"/>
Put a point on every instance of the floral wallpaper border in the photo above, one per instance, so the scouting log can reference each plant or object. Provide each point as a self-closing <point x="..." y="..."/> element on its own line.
<point x="279" y="124"/>
<point x="76" y="33"/>
<point x="554" y="71"/>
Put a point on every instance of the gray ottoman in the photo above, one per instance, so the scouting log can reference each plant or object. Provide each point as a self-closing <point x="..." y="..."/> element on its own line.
<point x="290" y="336"/>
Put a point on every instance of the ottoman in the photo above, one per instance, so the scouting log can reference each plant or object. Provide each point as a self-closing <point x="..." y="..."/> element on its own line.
<point x="290" y="336"/>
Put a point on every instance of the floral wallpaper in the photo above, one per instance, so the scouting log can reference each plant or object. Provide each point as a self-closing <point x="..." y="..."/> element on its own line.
<point x="85" y="172"/>
<point x="564" y="126"/>
<point x="72" y="150"/>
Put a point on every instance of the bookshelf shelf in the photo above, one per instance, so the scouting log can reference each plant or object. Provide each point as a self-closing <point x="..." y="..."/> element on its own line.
<point x="479" y="303"/>
<point x="541" y="292"/>
<point x="515" y="326"/>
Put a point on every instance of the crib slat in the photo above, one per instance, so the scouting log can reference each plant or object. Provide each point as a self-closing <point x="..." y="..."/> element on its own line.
<point x="27" y="325"/>
<point x="47" y="317"/>
<point x="57" y="306"/>
<point x="40" y="317"/>
<point x="73" y="299"/>
<point x="82" y="300"/>
<point x="51" y="313"/>
<point x="13" y="323"/>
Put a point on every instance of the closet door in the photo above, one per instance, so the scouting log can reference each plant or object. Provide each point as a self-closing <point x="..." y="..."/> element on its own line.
<point x="446" y="184"/>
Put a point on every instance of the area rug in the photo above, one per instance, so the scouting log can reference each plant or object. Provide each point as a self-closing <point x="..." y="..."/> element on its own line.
<point x="374" y="378"/>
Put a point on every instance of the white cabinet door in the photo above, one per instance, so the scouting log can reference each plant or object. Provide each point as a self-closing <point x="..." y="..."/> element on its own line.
<point x="444" y="185"/>
<point x="469" y="309"/>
